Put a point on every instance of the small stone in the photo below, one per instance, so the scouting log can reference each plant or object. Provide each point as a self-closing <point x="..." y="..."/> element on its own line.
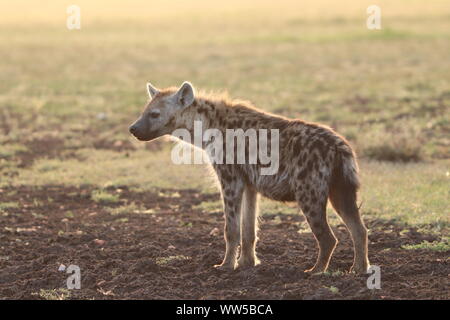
<point x="214" y="232"/>
<point x="99" y="242"/>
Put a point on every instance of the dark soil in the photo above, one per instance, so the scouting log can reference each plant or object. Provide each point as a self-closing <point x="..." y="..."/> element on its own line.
<point x="169" y="254"/>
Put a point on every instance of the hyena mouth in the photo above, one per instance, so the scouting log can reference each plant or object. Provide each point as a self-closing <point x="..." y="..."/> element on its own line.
<point x="148" y="136"/>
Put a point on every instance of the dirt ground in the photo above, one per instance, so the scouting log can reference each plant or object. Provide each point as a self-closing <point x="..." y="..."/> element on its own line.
<point x="169" y="252"/>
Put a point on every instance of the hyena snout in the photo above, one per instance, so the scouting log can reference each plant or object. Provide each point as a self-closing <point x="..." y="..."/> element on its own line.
<point x="137" y="131"/>
<point x="142" y="131"/>
<point x="133" y="129"/>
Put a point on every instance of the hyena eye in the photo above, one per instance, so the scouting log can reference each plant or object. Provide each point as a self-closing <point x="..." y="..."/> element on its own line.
<point x="154" y="114"/>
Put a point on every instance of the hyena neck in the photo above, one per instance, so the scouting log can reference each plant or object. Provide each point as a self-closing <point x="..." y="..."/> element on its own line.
<point x="221" y="113"/>
<point x="202" y="112"/>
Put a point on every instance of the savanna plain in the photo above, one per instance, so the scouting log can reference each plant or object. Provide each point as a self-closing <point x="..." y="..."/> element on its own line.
<point x="76" y="188"/>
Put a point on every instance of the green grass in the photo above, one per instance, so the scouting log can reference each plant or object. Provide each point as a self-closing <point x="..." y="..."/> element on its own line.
<point x="333" y="289"/>
<point x="162" y="261"/>
<point x="9" y="150"/>
<point x="53" y="294"/>
<point x="131" y="208"/>
<point x="209" y="207"/>
<point x="8" y="205"/>
<point x="104" y="197"/>
<point x="337" y="273"/>
<point x="440" y="246"/>
<point x="413" y="193"/>
<point x="387" y="91"/>
<point x="106" y="168"/>
<point x="125" y="209"/>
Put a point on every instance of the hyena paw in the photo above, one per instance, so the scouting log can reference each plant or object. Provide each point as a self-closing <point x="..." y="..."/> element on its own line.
<point x="225" y="266"/>
<point x="316" y="270"/>
<point x="244" y="263"/>
<point x="359" y="269"/>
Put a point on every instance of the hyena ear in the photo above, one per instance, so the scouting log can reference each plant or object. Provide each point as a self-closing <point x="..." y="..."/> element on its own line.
<point x="185" y="95"/>
<point x="152" y="91"/>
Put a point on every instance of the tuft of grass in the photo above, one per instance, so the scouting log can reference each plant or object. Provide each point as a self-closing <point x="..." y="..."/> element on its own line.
<point x="185" y="224"/>
<point x="394" y="142"/>
<point x="169" y="194"/>
<point x="101" y="196"/>
<point x="440" y="246"/>
<point x="336" y="273"/>
<point x="166" y="260"/>
<point x="10" y="150"/>
<point x="125" y="209"/>
<point x="8" y="205"/>
<point x="130" y="208"/>
<point x="394" y="152"/>
<point x="69" y="214"/>
<point x="209" y="207"/>
<point x="53" y="294"/>
<point x="333" y="289"/>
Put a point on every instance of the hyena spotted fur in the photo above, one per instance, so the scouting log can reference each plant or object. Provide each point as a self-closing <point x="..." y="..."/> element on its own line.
<point x="315" y="164"/>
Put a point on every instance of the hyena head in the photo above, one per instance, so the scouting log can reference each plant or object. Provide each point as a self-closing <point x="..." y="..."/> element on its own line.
<point x="163" y="106"/>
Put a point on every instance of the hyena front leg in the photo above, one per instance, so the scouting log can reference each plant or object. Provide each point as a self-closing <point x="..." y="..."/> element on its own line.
<point x="232" y="199"/>
<point x="249" y="228"/>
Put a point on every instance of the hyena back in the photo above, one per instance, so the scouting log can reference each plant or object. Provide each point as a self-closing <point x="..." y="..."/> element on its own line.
<point x="315" y="164"/>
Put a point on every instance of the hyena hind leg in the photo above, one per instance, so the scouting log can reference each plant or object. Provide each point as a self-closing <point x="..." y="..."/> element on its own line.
<point x="249" y="228"/>
<point x="344" y="202"/>
<point x="316" y="217"/>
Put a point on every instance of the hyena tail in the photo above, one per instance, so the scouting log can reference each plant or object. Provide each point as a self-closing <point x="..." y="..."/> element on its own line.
<point x="344" y="183"/>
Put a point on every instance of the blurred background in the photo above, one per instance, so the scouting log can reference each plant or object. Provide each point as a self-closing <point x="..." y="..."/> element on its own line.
<point x="68" y="96"/>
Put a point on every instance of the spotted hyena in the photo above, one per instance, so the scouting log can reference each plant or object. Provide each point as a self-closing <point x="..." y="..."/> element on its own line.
<point x="315" y="164"/>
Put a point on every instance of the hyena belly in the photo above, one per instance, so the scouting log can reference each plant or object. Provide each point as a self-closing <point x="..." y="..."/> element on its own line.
<point x="276" y="187"/>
